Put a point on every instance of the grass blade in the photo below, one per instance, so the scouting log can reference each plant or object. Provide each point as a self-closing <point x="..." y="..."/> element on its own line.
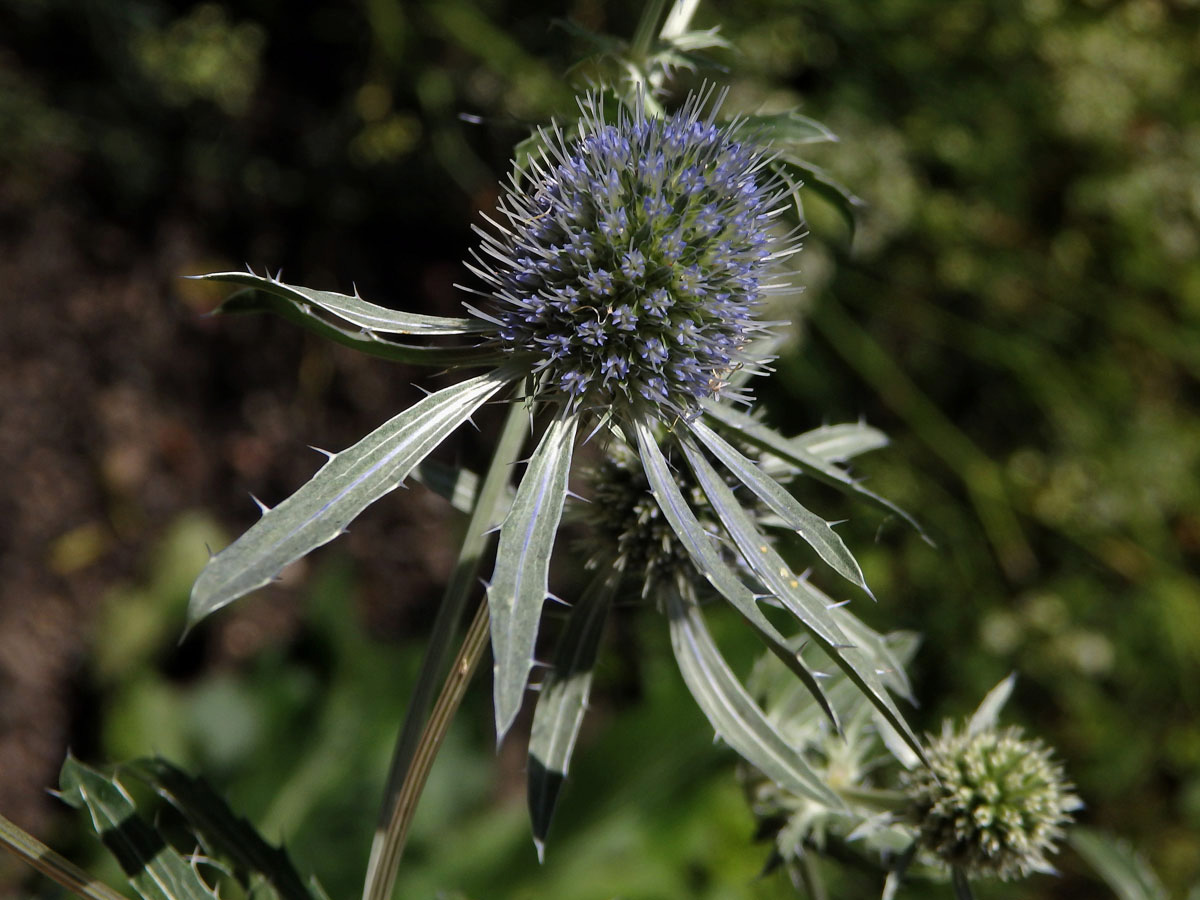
<point x="519" y="583"/>
<point x="737" y="719"/>
<point x="562" y="703"/>
<point x="346" y="485"/>
<point x="55" y="867"/>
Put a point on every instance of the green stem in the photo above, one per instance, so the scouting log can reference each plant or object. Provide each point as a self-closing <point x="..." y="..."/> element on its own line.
<point x="387" y="843"/>
<point x="447" y="704"/>
<point x="647" y="30"/>
<point x="50" y="864"/>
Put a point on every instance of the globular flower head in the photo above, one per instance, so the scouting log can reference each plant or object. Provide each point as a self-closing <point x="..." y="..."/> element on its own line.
<point x="633" y="258"/>
<point x="990" y="802"/>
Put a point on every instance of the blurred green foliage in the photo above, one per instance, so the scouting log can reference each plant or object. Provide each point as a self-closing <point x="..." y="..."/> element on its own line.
<point x="1019" y="308"/>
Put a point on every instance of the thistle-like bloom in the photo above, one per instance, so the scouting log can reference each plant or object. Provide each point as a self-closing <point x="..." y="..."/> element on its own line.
<point x="620" y="293"/>
<point x="633" y="257"/>
<point x="991" y="803"/>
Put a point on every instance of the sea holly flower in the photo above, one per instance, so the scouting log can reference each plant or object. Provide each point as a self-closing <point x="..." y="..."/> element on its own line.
<point x="991" y="803"/>
<point x="620" y="290"/>
<point x="988" y="802"/>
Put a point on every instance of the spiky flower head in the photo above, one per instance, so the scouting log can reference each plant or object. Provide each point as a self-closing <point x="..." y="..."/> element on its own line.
<point x="633" y="257"/>
<point x="626" y="528"/>
<point x="990" y="802"/>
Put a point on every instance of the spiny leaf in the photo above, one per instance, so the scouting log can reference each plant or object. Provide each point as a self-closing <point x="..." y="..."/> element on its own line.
<point x="803" y="600"/>
<point x="346" y="485"/>
<point x="834" y="443"/>
<point x="220" y="830"/>
<point x="737" y="719"/>
<point x="154" y="868"/>
<point x="519" y="583"/>
<point x="708" y="562"/>
<point x="321" y="323"/>
<point x="987" y="715"/>
<point x="353" y="310"/>
<point x="808" y="525"/>
<point x="888" y="652"/>
<point x="820" y="183"/>
<point x="562" y="702"/>
<point x="810" y="464"/>
<point x="1115" y="861"/>
<point x="786" y="128"/>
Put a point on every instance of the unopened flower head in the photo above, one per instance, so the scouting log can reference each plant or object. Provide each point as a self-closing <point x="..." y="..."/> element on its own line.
<point x="626" y="529"/>
<point x="990" y="802"/>
<point x="633" y="258"/>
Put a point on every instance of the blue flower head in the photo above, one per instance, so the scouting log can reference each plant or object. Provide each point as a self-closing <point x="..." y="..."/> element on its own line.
<point x="651" y="242"/>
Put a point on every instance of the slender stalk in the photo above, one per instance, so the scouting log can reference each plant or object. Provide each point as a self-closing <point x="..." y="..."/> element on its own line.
<point x="447" y="704"/>
<point x="53" y="866"/>
<point x="381" y="869"/>
<point x="647" y="30"/>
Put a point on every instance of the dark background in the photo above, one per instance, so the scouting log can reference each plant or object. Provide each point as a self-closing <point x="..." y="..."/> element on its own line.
<point x="1019" y="309"/>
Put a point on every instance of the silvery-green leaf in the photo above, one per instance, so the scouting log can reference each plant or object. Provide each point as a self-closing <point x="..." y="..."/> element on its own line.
<point x="737" y="719"/>
<point x="321" y="323"/>
<point x="782" y="129"/>
<point x="834" y="443"/>
<point x="811" y="527"/>
<point x="562" y="702"/>
<point x="154" y="868"/>
<point x="346" y="485"/>
<point x="519" y="583"/>
<point x="220" y="830"/>
<point x="988" y="714"/>
<point x="810" y="464"/>
<point x="817" y="180"/>
<point x="709" y="565"/>
<point x="802" y="599"/>
<point x="1115" y="861"/>
<point x="353" y="310"/>
<point x="890" y="652"/>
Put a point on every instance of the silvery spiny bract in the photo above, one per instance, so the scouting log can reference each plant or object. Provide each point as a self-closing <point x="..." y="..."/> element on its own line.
<point x="621" y="295"/>
<point x="852" y="761"/>
<point x="633" y="549"/>
<point x="634" y="257"/>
